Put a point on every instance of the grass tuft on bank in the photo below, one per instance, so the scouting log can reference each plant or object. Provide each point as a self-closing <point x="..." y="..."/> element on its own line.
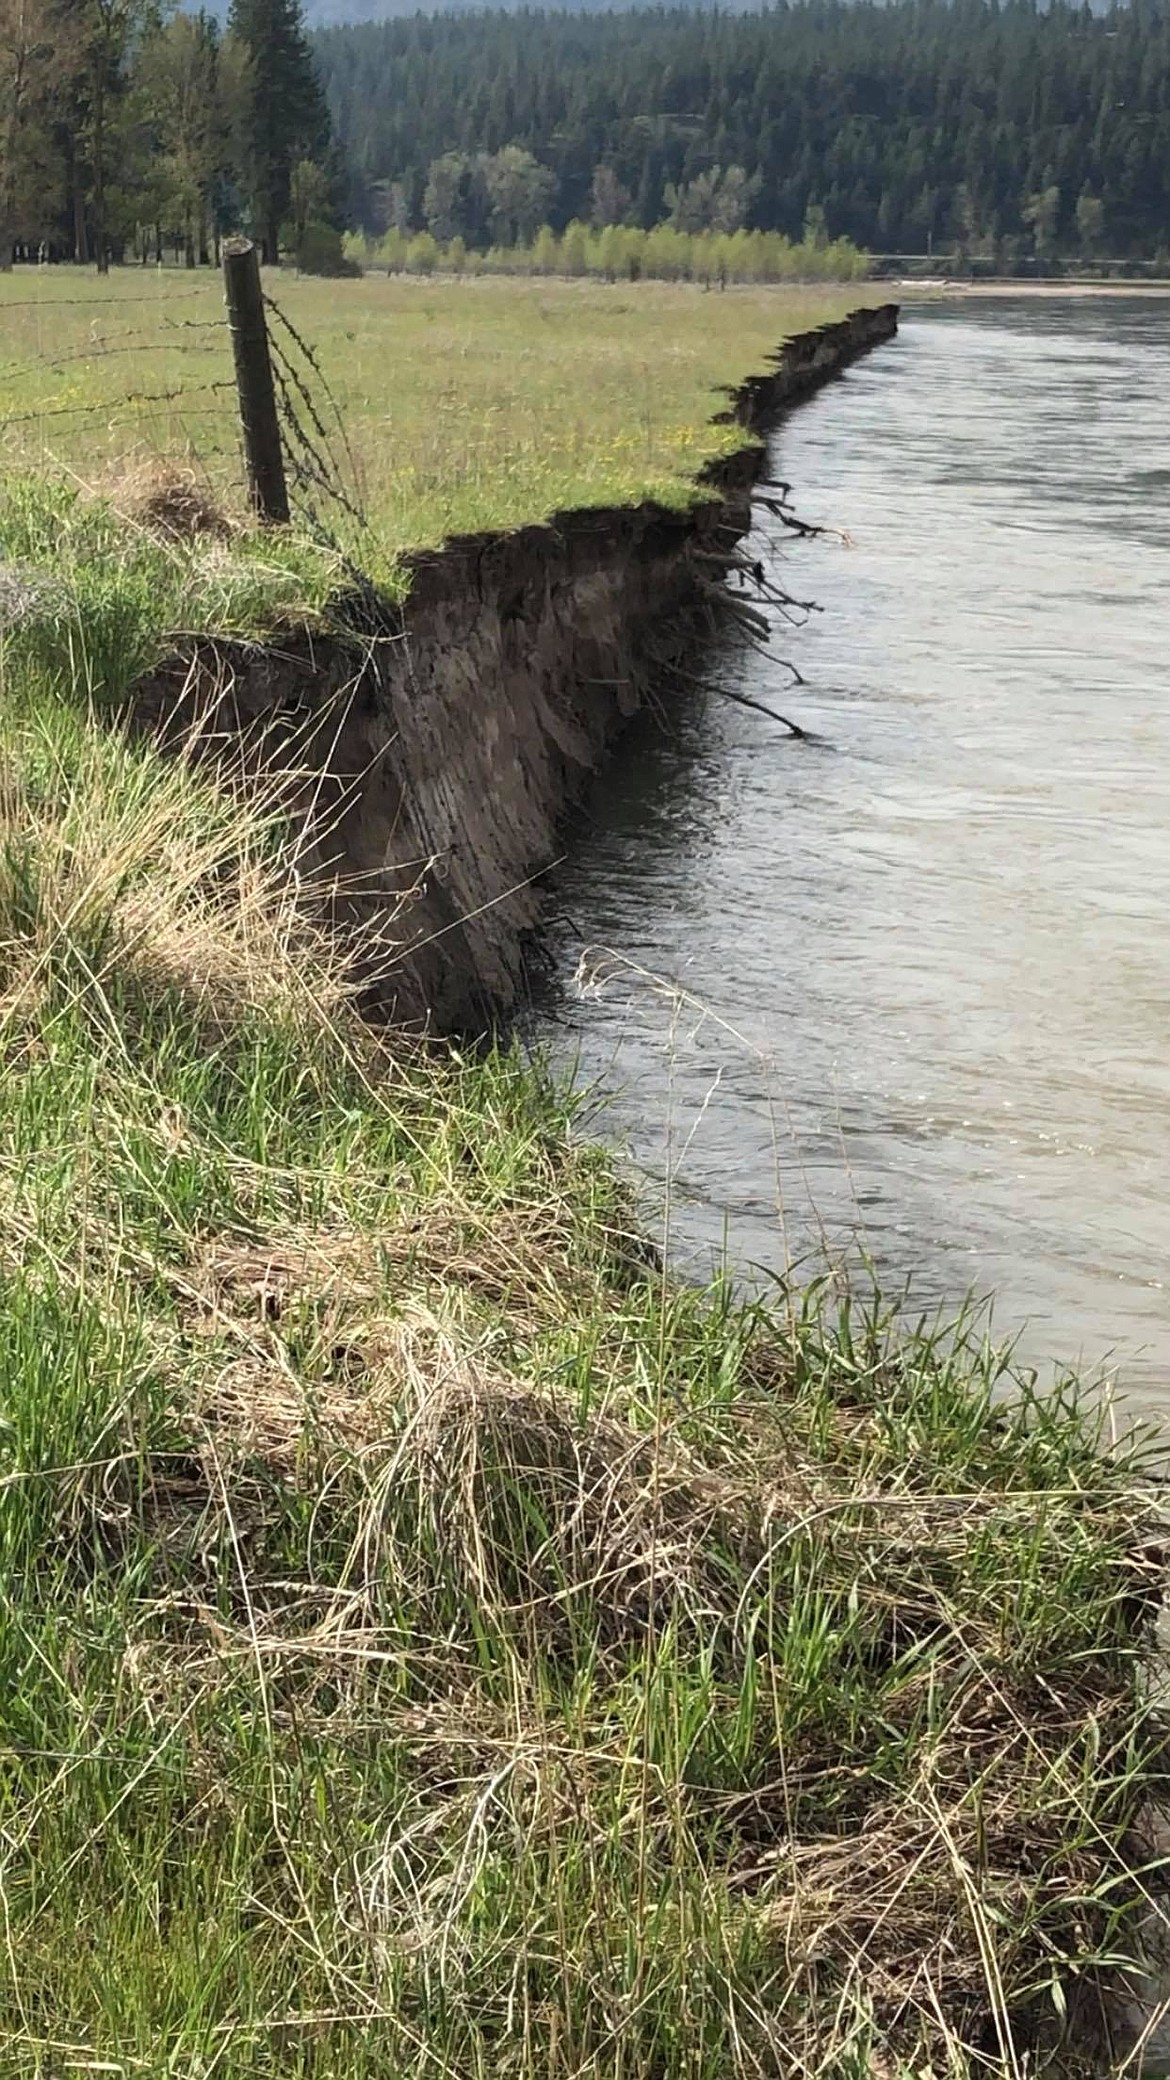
<point x="432" y="1641"/>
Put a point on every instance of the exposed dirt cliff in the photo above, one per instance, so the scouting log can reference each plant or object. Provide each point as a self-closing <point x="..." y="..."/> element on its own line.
<point x="432" y="754"/>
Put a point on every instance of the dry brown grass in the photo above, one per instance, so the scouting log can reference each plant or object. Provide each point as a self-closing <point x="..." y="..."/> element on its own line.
<point x="925" y="1907"/>
<point x="170" y="502"/>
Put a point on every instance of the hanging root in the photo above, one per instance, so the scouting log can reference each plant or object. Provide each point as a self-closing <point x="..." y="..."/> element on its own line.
<point x="736" y="609"/>
<point x="756" y="574"/>
<point x="742" y="700"/>
<point x="780" y="508"/>
<point x="751" y="625"/>
<point x="724" y="579"/>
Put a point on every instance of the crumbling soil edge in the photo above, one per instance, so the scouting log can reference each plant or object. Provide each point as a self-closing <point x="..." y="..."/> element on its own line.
<point x="433" y="753"/>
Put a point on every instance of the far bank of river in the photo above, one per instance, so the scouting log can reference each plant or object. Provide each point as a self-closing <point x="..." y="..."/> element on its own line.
<point x="1062" y="291"/>
<point x="917" y="969"/>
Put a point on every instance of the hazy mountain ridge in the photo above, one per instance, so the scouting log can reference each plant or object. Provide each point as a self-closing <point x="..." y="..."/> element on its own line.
<point x="328" y="14"/>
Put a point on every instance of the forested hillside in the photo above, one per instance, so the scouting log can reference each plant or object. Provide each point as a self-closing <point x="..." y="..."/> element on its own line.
<point x="1009" y="134"/>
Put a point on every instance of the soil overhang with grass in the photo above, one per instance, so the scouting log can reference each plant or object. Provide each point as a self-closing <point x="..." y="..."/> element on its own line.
<point x="439" y="739"/>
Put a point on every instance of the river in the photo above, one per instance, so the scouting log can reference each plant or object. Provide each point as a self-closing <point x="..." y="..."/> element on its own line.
<point x="905" y="988"/>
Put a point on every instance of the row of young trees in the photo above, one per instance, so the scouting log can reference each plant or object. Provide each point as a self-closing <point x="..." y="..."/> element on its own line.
<point x="123" y="130"/>
<point x="621" y="252"/>
<point x="1012" y="130"/>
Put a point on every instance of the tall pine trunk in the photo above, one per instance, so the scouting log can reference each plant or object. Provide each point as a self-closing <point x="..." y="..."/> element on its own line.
<point x="80" y="228"/>
<point x="11" y="146"/>
<point x="99" y="175"/>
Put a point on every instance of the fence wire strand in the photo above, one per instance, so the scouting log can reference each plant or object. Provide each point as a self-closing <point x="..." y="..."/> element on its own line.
<point x="114" y="404"/>
<point x="116" y="302"/>
<point x="45" y="367"/>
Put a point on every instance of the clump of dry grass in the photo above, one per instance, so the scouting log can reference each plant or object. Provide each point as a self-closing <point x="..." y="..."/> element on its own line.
<point x="122" y="866"/>
<point x="865" y="1720"/>
<point x="171" y="502"/>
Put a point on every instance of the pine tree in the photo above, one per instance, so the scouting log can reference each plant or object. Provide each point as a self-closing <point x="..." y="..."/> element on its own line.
<point x="26" y="58"/>
<point x="289" y="121"/>
<point x="101" y="37"/>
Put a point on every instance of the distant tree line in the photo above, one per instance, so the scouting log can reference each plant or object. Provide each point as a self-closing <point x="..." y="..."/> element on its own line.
<point x="129" y="132"/>
<point x="620" y="252"/>
<point x="1005" y="132"/>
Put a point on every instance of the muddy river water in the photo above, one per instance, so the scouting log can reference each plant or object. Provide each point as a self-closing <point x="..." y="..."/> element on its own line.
<point x="905" y="988"/>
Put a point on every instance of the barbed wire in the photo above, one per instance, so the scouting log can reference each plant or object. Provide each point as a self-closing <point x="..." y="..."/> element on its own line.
<point x="309" y="466"/>
<point x="100" y="409"/>
<point x="115" y="302"/>
<point x="321" y="466"/>
<point x="311" y="457"/>
<point x="43" y="367"/>
<point x="135" y="332"/>
<point x="296" y="383"/>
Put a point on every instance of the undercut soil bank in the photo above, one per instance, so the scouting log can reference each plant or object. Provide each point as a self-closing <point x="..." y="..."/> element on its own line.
<point x="433" y="749"/>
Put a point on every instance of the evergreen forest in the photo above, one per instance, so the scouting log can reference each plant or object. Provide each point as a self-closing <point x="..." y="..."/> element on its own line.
<point x="1004" y="135"/>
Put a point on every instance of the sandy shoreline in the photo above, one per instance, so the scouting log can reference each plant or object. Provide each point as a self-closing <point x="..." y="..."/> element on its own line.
<point x="932" y="288"/>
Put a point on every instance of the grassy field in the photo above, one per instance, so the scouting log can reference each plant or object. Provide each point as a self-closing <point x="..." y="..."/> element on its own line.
<point x="434" y="407"/>
<point x="432" y="1642"/>
<point x="467" y="404"/>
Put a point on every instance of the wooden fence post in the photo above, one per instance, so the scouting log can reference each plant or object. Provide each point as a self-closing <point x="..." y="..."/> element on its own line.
<point x="257" y="393"/>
